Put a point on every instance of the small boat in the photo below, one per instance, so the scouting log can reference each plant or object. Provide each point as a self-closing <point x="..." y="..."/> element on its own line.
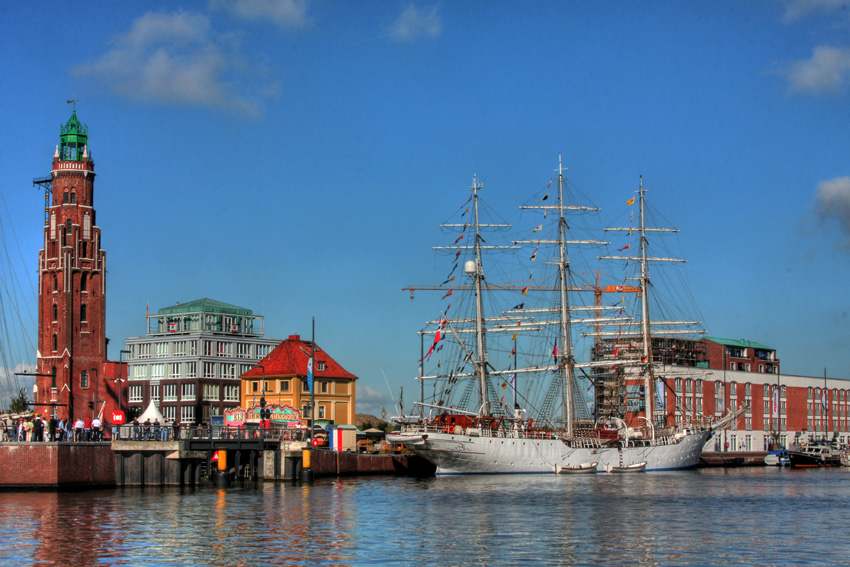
<point x="634" y="467"/>
<point x="845" y="459"/>
<point x="578" y="469"/>
<point x="814" y="456"/>
<point x="777" y="458"/>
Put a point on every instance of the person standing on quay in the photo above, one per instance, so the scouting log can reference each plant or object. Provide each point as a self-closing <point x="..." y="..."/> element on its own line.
<point x="136" y="430"/>
<point x="146" y="428"/>
<point x="87" y="428"/>
<point x="51" y="428"/>
<point x="69" y="429"/>
<point x="37" y="429"/>
<point x="79" y="428"/>
<point x="28" y="430"/>
<point x="95" y="429"/>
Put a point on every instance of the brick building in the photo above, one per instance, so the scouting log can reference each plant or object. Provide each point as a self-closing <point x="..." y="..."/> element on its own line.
<point x="74" y="378"/>
<point x="191" y="357"/>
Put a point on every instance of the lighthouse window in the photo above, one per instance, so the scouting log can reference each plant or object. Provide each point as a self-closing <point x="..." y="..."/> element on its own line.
<point x="65" y="198"/>
<point x="55" y="312"/>
<point x="84" y="282"/>
<point x="53" y="377"/>
<point x="83" y="313"/>
<point x="84" y="379"/>
<point x="55" y="283"/>
<point x="54" y="343"/>
<point x="73" y="198"/>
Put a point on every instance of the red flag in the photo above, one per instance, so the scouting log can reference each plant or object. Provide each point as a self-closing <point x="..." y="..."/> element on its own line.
<point x="459" y="238"/>
<point x="626" y="247"/>
<point x="448" y="293"/>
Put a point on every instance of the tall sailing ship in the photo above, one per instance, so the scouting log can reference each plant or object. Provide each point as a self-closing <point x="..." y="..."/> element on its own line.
<point x="501" y="386"/>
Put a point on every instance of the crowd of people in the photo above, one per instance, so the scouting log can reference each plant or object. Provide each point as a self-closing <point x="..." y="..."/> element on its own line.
<point x="37" y="429"/>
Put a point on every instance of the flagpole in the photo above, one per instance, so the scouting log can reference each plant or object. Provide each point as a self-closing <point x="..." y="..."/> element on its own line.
<point x="421" y="374"/>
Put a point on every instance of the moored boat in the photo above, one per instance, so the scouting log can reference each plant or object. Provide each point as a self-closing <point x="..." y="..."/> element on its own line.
<point x="582" y="468"/>
<point x="634" y="467"/>
<point x="814" y="455"/>
<point x="463" y="426"/>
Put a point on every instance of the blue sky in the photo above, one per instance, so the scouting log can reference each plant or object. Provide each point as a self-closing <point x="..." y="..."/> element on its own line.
<point x="296" y="157"/>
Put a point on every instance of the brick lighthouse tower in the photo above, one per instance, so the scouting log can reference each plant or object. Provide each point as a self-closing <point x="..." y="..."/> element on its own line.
<point x="74" y="378"/>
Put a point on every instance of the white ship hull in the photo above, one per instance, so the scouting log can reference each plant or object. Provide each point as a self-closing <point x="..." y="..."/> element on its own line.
<point x="464" y="454"/>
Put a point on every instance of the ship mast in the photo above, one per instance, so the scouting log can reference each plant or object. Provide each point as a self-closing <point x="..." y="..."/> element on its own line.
<point x="475" y="270"/>
<point x="648" y="382"/>
<point x="566" y="363"/>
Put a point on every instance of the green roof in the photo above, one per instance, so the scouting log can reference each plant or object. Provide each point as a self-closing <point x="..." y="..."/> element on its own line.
<point x="205" y="306"/>
<point x="73" y="137"/>
<point x="739" y="343"/>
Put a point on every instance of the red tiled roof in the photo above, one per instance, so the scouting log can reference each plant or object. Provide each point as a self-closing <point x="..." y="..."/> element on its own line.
<point x="290" y="358"/>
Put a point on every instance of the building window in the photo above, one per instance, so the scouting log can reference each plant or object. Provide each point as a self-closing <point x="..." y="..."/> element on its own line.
<point x="211" y="392"/>
<point x="169" y="393"/>
<point x="208" y="348"/>
<point x="180" y="348"/>
<point x="174" y="370"/>
<point x="323" y="387"/>
<point x="55" y="312"/>
<point x="145" y="350"/>
<point x="321" y="412"/>
<point x="243" y="350"/>
<point x="321" y="365"/>
<point x="187" y="391"/>
<point x="187" y="414"/>
<point x="55" y="343"/>
<point x="193" y="348"/>
<point x="134" y="393"/>
<point x="154" y="393"/>
<point x="55" y="283"/>
<point x="262" y="351"/>
<point x="231" y="393"/>
<point x="84" y="379"/>
<point x="161" y="350"/>
<point x="255" y="387"/>
<point x="140" y="372"/>
<point x="304" y="386"/>
<point x="209" y="370"/>
<point x="228" y="370"/>
<point x="157" y="371"/>
<point x="169" y="412"/>
<point x="83" y="313"/>
<point x="305" y="411"/>
<point x="224" y="349"/>
<point x="191" y="370"/>
<point x="284" y="385"/>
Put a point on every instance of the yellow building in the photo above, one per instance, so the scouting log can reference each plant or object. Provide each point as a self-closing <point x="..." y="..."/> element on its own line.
<point x="281" y="378"/>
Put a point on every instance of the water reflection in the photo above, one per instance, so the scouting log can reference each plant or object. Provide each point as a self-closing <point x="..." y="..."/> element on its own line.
<point x="741" y="516"/>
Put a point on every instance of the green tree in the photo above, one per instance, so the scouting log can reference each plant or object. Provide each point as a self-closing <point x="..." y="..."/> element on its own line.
<point x="19" y="404"/>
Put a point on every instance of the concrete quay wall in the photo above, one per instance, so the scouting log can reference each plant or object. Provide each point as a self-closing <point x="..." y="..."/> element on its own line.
<point x="56" y="465"/>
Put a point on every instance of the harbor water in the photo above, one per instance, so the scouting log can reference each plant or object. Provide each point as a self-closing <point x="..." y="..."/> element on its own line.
<point x="742" y="516"/>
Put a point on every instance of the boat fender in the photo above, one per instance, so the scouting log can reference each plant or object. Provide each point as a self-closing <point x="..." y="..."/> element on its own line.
<point x="458" y="430"/>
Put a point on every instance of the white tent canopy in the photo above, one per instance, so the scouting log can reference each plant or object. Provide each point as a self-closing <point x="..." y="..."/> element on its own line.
<point x="152" y="413"/>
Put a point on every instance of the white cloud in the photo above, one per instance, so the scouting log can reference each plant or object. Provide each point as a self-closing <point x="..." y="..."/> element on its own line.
<point x="827" y="72"/>
<point x="173" y="59"/>
<point x="372" y="401"/>
<point x="799" y="9"/>
<point x="413" y="24"/>
<point x="832" y="201"/>
<point x="282" y="13"/>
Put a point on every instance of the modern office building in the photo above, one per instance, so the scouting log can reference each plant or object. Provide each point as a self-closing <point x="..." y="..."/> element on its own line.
<point x="190" y="359"/>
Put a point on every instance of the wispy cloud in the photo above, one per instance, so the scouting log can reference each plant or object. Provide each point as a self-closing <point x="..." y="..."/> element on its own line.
<point x="832" y="203"/>
<point x="414" y="23"/>
<point x="372" y="401"/>
<point x="827" y="72"/>
<point x="799" y="9"/>
<point x="174" y="59"/>
<point x="285" y="14"/>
